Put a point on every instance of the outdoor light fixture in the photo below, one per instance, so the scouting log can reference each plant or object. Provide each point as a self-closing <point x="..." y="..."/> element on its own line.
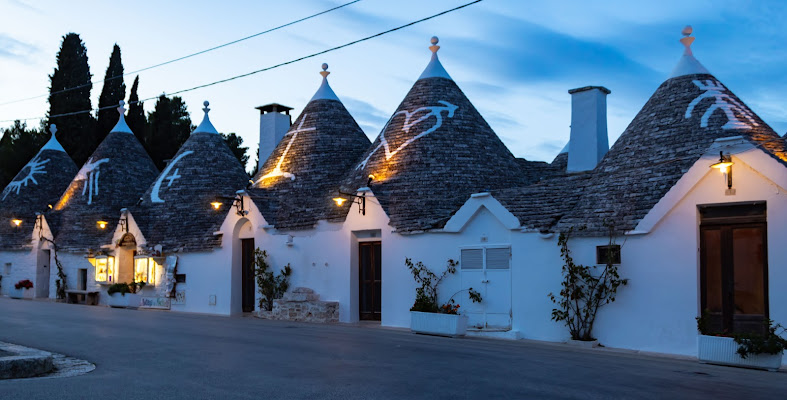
<point x="360" y="200"/>
<point x="237" y="202"/>
<point x="124" y="221"/>
<point x="725" y="167"/>
<point x="102" y="224"/>
<point x="16" y="222"/>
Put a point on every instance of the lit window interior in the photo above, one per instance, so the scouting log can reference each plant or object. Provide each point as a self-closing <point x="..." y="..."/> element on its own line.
<point x="145" y="270"/>
<point x="105" y="269"/>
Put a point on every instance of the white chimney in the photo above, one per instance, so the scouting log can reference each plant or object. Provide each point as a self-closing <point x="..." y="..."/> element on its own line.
<point x="275" y="121"/>
<point x="589" y="141"/>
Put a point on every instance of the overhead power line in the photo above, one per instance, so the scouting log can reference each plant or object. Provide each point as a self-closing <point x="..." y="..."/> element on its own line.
<point x="184" y="57"/>
<point x="266" y="68"/>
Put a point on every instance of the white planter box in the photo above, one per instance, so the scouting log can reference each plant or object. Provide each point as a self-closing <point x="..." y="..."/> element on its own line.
<point x="128" y="300"/>
<point x="438" y="324"/>
<point x="724" y="351"/>
<point x="22" y="293"/>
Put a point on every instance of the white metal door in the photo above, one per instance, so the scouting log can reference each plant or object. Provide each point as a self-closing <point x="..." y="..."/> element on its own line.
<point x="488" y="271"/>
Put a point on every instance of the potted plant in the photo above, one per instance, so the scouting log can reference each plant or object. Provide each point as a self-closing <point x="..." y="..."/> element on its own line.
<point x="124" y="295"/>
<point x="427" y="316"/>
<point x="22" y="290"/>
<point x="753" y="350"/>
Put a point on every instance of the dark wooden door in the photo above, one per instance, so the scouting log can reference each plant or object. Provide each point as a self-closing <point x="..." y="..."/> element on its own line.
<point x="370" y="280"/>
<point x="247" y="265"/>
<point x="734" y="268"/>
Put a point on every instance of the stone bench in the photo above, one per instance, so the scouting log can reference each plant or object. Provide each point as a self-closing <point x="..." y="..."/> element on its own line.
<point x="82" y="297"/>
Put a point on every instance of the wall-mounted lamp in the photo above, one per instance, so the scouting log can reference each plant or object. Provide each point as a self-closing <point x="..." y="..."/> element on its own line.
<point x="237" y="202"/>
<point x="102" y="224"/>
<point x="16" y="222"/>
<point x="725" y="167"/>
<point x="360" y="200"/>
<point x="124" y="221"/>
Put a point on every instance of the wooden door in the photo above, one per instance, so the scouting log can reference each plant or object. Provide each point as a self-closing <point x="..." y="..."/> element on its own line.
<point x="247" y="266"/>
<point x="370" y="280"/>
<point x="42" y="274"/>
<point x="734" y="268"/>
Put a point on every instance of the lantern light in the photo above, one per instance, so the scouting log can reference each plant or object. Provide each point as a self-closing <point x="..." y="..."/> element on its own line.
<point x="102" y="224"/>
<point x="725" y="167"/>
<point x="16" y="222"/>
<point x="339" y="201"/>
<point x="216" y="205"/>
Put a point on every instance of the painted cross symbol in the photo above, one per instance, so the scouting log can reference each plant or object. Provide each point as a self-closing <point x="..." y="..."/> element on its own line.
<point x="435" y="111"/>
<point x="725" y="102"/>
<point x="154" y="193"/>
<point x="172" y="177"/>
<point x="277" y="170"/>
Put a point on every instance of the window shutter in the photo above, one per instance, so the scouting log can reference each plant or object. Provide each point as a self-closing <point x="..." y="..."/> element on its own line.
<point x="498" y="258"/>
<point x="472" y="258"/>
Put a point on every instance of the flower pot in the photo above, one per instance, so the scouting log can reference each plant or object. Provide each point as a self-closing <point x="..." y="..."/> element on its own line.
<point x="128" y="300"/>
<point x="452" y="325"/>
<point x="724" y="351"/>
<point x="21" y="293"/>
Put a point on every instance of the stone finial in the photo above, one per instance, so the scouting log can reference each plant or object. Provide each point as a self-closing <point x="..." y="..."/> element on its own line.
<point x="53" y="129"/>
<point x="121" y="107"/>
<point x="206" y="108"/>
<point x="324" y="71"/>
<point x="687" y="39"/>
<point x="434" y="47"/>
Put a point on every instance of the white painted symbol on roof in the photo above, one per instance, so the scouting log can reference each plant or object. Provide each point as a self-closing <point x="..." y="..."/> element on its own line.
<point x="277" y="170"/>
<point x="90" y="173"/>
<point x="435" y="111"/>
<point x="154" y="196"/>
<point x="725" y="102"/>
<point x="36" y="166"/>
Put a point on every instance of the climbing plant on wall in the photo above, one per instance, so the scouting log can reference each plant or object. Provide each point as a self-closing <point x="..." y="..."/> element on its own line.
<point x="585" y="289"/>
<point x="269" y="286"/>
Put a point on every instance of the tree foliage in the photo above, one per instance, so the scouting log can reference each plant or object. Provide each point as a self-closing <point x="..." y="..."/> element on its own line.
<point x="113" y="91"/>
<point x="235" y="144"/>
<point x="426" y="294"/>
<point x="18" y="145"/>
<point x="269" y="286"/>
<point x="136" y="114"/>
<point x="584" y="289"/>
<point x="69" y="92"/>
<point x="169" y="126"/>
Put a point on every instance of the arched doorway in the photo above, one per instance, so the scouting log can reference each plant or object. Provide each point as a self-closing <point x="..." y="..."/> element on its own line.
<point x="126" y="250"/>
<point x="243" y="283"/>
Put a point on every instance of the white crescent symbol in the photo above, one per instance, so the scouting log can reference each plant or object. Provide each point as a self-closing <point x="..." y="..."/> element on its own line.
<point x="154" y="193"/>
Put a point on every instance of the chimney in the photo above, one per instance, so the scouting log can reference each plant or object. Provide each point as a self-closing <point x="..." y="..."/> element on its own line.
<point x="275" y="121"/>
<point x="589" y="141"/>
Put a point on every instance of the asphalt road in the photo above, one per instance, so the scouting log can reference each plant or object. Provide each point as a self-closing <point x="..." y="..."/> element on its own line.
<point x="142" y="354"/>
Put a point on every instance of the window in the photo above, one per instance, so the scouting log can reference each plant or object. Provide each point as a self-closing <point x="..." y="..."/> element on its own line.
<point x="7" y="269"/>
<point x="145" y="270"/>
<point x="486" y="257"/>
<point x="180" y="278"/>
<point x="105" y="268"/>
<point x="609" y="254"/>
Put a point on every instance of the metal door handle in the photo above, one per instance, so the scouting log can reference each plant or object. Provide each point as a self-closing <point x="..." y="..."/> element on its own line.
<point x="486" y="281"/>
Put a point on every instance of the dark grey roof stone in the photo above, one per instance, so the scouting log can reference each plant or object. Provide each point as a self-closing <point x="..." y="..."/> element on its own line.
<point x="657" y="149"/>
<point x="294" y="191"/>
<point x="178" y="216"/>
<point x="423" y="183"/>
<point x="39" y="184"/>
<point x="541" y="205"/>
<point x="119" y="171"/>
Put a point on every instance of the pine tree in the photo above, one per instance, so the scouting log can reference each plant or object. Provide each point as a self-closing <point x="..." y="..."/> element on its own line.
<point x="234" y="142"/>
<point x="169" y="126"/>
<point x="18" y="145"/>
<point x="136" y="115"/>
<point x="112" y="92"/>
<point x="69" y="91"/>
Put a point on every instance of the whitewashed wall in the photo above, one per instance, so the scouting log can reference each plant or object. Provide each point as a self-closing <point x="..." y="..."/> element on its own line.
<point x="23" y="266"/>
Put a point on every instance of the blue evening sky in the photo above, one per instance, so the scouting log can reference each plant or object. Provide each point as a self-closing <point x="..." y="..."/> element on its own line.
<point x="515" y="60"/>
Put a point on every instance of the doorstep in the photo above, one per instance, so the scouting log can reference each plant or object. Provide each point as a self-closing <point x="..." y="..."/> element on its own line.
<point x="495" y="334"/>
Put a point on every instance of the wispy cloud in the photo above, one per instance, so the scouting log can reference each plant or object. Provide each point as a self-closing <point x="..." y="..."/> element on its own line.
<point x="370" y="118"/>
<point x="13" y="49"/>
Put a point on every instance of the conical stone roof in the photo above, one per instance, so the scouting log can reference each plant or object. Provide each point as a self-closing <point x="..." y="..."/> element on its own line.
<point x="435" y="151"/>
<point x="669" y="134"/>
<point x="175" y="211"/>
<point x="294" y="187"/>
<point x="114" y="177"/>
<point x="39" y="184"/>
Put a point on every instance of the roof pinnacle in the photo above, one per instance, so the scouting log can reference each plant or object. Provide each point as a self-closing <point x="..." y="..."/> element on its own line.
<point x="206" y="126"/>
<point x="434" y="47"/>
<point x="324" y="71"/>
<point x="687" y="39"/>
<point x="53" y="128"/>
<point x="121" y="107"/>
<point x="324" y="92"/>
<point x="121" y="126"/>
<point x="206" y="108"/>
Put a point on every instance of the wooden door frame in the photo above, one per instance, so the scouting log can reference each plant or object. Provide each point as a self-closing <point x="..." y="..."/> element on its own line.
<point x="727" y="217"/>
<point x="361" y="284"/>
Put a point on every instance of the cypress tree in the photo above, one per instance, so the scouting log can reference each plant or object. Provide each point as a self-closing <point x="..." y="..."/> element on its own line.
<point x="72" y="77"/>
<point x="136" y="115"/>
<point x="112" y="92"/>
<point x="169" y="126"/>
<point x="235" y="143"/>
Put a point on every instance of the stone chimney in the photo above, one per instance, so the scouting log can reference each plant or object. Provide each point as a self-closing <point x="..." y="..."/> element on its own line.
<point x="589" y="142"/>
<point x="275" y="121"/>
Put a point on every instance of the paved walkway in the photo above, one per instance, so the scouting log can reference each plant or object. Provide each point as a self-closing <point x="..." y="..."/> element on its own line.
<point x="165" y="355"/>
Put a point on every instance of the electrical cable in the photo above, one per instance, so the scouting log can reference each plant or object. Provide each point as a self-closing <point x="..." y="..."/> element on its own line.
<point x="266" y="68"/>
<point x="184" y="57"/>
